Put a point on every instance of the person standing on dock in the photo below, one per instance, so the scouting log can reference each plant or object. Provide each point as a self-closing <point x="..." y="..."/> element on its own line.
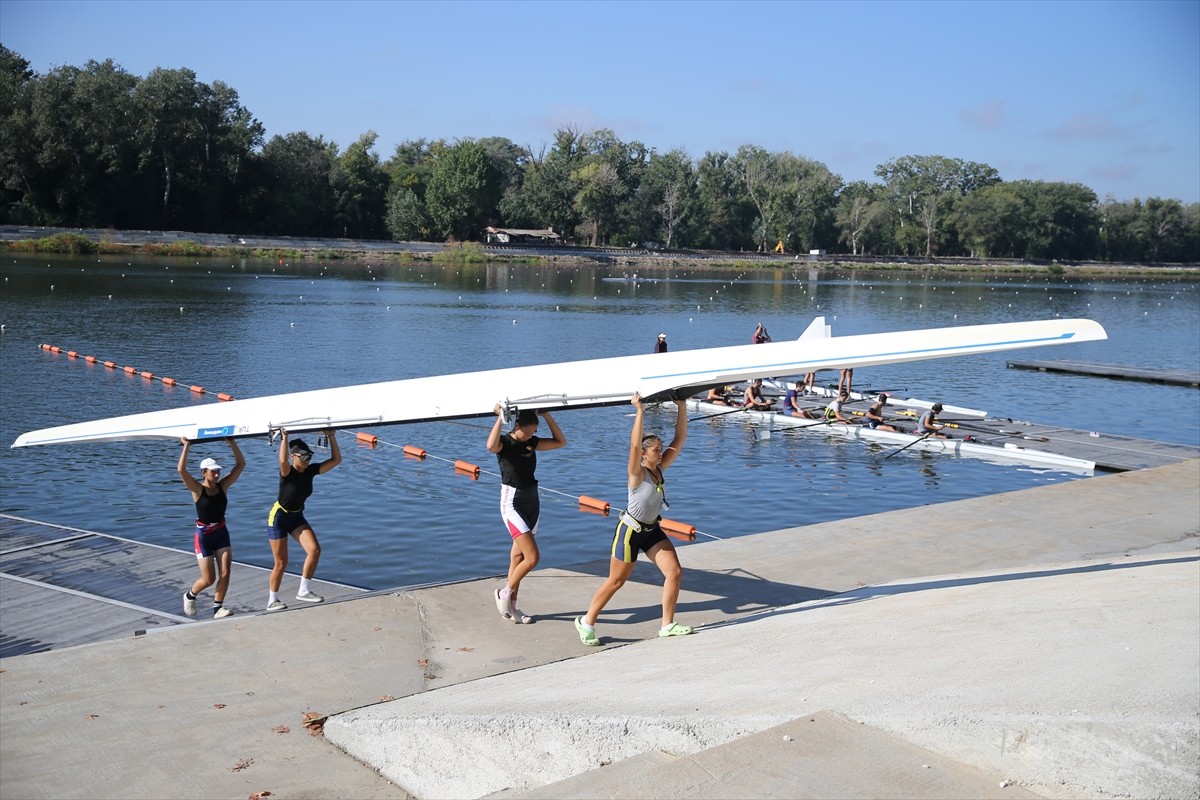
<point x="845" y="379"/>
<point x="928" y="425"/>
<point x="520" y="505"/>
<point x="296" y="475"/>
<point x="874" y="417"/>
<point x="214" y="552"/>
<point x="639" y="526"/>
<point x="760" y="334"/>
<point x="661" y="345"/>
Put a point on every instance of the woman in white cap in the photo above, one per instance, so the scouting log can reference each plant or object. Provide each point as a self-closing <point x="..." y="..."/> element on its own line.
<point x="214" y="553"/>
<point x="661" y="345"/>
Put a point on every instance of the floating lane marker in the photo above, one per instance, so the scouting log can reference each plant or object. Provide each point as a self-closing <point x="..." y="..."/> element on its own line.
<point x="589" y="505"/>
<point x="147" y="374"/>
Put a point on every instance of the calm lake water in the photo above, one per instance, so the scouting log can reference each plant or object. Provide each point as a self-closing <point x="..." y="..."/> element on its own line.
<point x="257" y="328"/>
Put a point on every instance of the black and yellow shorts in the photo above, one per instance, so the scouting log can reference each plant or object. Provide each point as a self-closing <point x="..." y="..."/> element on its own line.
<point x="631" y="537"/>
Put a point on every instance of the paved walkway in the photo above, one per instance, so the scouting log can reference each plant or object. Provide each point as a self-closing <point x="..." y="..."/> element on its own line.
<point x="1049" y="637"/>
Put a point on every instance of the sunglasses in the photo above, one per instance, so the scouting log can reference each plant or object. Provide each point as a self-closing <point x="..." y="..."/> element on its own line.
<point x="305" y="457"/>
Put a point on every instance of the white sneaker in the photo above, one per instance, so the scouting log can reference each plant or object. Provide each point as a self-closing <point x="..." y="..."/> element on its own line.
<point x="189" y="605"/>
<point x="310" y="598"/>
<point x="276" y="606"/>
<point x="223" y="612"/>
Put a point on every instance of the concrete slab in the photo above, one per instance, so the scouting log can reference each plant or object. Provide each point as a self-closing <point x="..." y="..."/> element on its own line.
<point x="818" y="756"/>
<point x="138" y="717"/>
<point x="1078" y="680"/>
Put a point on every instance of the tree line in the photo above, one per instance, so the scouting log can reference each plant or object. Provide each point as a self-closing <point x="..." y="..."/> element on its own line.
<point x="95" y="146"/>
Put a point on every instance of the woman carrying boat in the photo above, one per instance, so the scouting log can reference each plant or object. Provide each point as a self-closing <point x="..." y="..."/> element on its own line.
<point x="639" y="528"/>
<point x="214" y="553"/>
<point x="520" y="505"/>
<point x="296" y="474"/>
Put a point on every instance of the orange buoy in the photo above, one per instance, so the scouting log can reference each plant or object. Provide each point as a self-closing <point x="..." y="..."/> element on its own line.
<point x="366" y="438"/>
<point x="44" y="346"/>
<point x="198" y="389"/>
<point x="130" y="370"/>
<point x="414" y="451"/>
<point x="168" y="381"/>
<point x="467" y="467"/>
<point x="147" y="375"/>
<point x="55" y="349"/>
<point x="679" y="530"/>
<point x="110" y="365"/>
<point x="72" y="354"/>
<point x="223" y="396"/>
<point x="472" y="474"/>
<point x="90" y="359"/>
<point x="593" y="503"/>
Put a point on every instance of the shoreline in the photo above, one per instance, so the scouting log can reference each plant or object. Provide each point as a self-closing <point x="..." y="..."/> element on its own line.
<point x="62" y="241"/>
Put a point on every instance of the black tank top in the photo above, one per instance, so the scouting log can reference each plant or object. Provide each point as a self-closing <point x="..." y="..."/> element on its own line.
<point x="517" y="461"/>
<point x="210" y="508"/>
<point x="296" y="487"/>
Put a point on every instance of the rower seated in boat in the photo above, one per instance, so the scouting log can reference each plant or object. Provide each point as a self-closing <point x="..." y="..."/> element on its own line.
<point x="874" y="417"/>
<point x="791" y="403"/>
<point x="754" y="397"/>
<point x="929" y="425"/>
<point x="720" y="395"/>
<point x="833" y="412"/>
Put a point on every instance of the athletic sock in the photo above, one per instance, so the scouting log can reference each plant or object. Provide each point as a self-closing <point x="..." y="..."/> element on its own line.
<point x="669" y="624"/>
<point x="303" y="586"/>
<point x="585" y="626"/>
<point x="217" y="606"/>
<point x="190" y="596"/>
<point x="505" y="593"/>
<point x="272" y="597"/>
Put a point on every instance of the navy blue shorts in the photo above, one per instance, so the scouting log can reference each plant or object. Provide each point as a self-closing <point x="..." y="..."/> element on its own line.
<point x="281" y="522"/>
<point x="210" y="538"/>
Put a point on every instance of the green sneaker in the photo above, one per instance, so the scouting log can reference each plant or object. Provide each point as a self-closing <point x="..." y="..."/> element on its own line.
<point x="675" y="629"/>
<point x="586" y="635"/>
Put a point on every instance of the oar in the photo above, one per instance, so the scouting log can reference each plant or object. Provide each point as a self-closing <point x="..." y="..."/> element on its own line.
<point x="718" y="414"/>
<point x="910" y="444"/>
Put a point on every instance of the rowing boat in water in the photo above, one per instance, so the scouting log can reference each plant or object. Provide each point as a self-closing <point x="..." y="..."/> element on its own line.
<point x="775" y="386"/>
<point x="998" y="454"/>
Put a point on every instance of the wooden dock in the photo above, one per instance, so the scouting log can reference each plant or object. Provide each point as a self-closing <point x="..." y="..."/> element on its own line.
<point x="1173" y="377"/>
<point x="63" y="586"/>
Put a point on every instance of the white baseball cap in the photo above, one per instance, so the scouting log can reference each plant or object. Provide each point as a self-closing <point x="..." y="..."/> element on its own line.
<point x="662" y="336"/>
<point x="209" y="463"/>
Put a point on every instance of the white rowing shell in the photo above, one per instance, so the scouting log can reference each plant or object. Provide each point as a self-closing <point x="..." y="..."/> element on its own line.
<point x="574" y="384"/>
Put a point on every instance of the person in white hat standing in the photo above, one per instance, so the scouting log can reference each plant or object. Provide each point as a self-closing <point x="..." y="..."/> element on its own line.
<point x="661" y="345"/>
<point x="214" y="553"/>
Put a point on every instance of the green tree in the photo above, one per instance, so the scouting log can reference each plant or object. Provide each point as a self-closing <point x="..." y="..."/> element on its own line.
<point x="463" y="191"/>
<point x="20" y="188"/>
<point x="923" y="190"/>
<point x="360" y="190"/>
<point x="170" y="139"/>
<point x="548" y="191"/>
<point x="860" y="214"/>
<point x="298" y="200"/>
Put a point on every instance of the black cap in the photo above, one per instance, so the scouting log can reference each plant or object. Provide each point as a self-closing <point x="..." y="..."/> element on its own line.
<point x="299" y="446"/>
<point x="527" y="416"/>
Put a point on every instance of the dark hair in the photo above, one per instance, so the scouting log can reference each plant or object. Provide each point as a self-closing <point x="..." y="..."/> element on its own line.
<point x="526" y="417"/>
<point x="299" y="446"/>
<point x="937" y="407"/>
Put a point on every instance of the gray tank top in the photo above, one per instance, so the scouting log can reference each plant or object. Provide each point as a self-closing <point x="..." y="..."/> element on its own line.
<point x="646" y="499"/>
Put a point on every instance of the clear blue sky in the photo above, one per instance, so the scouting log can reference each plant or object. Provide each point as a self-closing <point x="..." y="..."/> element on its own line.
<point x="1101" y="93"/>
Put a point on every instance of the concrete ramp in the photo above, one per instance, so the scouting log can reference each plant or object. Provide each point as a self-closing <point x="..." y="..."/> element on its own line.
<point x="817" y="756"/>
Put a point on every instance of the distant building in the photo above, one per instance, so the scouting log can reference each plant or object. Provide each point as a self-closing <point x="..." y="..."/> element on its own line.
<point x="521" y="235"/>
